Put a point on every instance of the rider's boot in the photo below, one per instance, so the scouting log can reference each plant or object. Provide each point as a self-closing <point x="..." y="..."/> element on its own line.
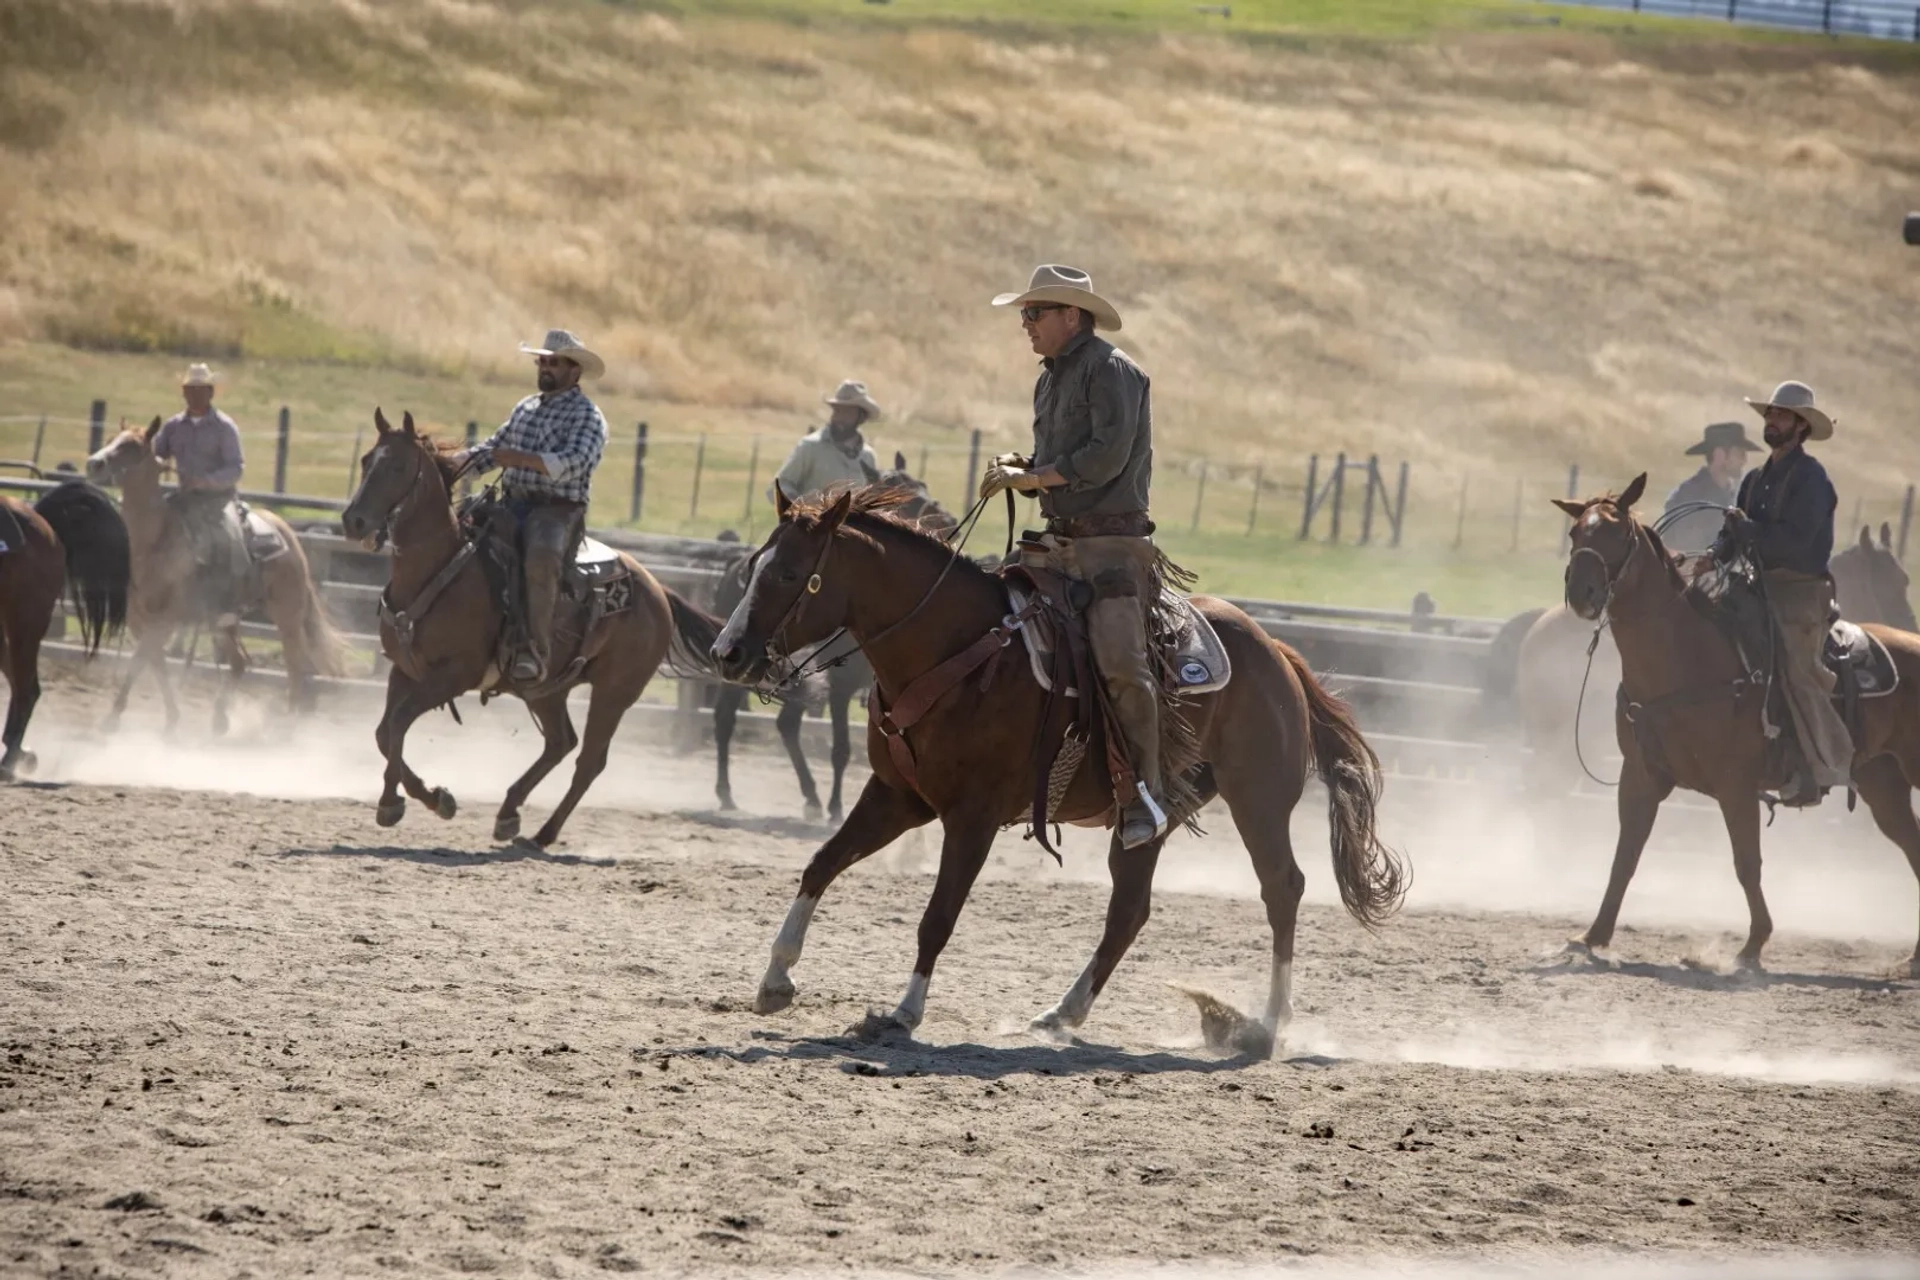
<point x="545" y="555"/>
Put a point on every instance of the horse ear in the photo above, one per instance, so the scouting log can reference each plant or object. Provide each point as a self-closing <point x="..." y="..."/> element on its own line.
<point x="781" y="503"/>
<point x="1626" y="500"/>
<point x="837" y="513"/>
<point x="1573" y="509"/>
<point x="406" y="424"/>
<point x="153" y="429"/>
<point x="380" y="422"/>
<point x="899" y="460"/>
<point x="1886" y="536"/>
<point x="1866" y="538"/>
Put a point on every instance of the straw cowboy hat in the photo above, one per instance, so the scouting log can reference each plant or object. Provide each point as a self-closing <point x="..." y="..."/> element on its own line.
<point x="1798" y="398"/>
<point x="1067" y="285"/>
<point x="198" y="375"/>
<point x="854" y="393"/>
<point x="561" y="343"/>
<point x="1723" y="435"/>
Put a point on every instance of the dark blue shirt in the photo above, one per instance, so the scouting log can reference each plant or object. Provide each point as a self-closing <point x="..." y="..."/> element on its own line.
<point x="1791" y="503"/>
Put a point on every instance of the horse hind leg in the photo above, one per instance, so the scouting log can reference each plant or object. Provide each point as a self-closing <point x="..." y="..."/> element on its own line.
<point x="1129" y="904"/>
<point x="726" y="714"/>
<point x="842" y="747"/>
<point x="1742" y="816"/>
<point x="880" y="816"/>
<point x="604" y="711"/>
<point x="1889" y="795"/>
<point x="557" y="739"/>
<point x="22" y="661"/>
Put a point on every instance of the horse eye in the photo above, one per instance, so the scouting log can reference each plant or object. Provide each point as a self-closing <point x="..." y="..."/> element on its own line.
<point x="789" y="575"/>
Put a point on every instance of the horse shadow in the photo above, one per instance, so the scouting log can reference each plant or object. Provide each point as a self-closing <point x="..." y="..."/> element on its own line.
<point x="898" y="1056"/>
<point x="760" y="823"/>
<point x="1693" y="977"/>
<point x="519" y="851"/>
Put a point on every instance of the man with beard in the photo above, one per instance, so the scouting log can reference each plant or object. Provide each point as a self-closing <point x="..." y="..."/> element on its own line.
<point x="837" y="453"/>
<point x="1785" y="515"/>
<point x="549" y="448"/>
<point x="204" y="446"/>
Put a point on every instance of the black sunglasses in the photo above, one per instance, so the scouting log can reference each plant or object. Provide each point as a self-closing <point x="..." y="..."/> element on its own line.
<point x="1034" y="310"/>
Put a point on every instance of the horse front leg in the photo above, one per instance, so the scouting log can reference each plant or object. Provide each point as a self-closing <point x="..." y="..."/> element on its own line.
<point x="1742" y="816"/>
<point x="407" y="701"/>
<point x="1639" y="802"/>
<point x="879" y="817"/>
<point x="963" y="851"/>
<point x="726" y="713"/>
<point x="23" y="679"/>
<point x="557" y="738"/>
<point x="788" y="721"/>
<point x="842" y="747"/>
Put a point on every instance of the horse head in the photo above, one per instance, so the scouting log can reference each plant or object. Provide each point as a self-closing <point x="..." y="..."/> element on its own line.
<point x="126" y="455"/>
<point x="391" y="472"/>
<point x="792" y="597"/>
<point x="1606" y="538"/>
<point x="1871" y="583"/>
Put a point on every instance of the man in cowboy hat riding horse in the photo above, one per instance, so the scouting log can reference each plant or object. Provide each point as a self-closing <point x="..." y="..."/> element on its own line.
<point x="204" y="446"/>
<point x="548" y="449"/>
<point x="835" y="454"/>
<point x="1785" y="514"/>
<point x="1724" y="446"/>
<point x="1091" y="468"/>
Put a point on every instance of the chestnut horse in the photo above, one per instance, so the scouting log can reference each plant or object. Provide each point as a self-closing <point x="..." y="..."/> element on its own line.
<point x="914" y="602"/>
<point x="72" y="536"/>
<point x="164" y="599"/>
<point x="406" y="482"/>
<point x="1701" y="720"/>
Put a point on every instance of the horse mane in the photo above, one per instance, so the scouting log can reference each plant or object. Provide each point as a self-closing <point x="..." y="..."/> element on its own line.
<point x="872" y="504"/>
<point x="442" y="453"/>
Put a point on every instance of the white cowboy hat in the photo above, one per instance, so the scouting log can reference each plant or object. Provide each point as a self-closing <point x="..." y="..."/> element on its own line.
<point x="198" y="375"/>
<point x="1798" y="398"/>
<point x="854" y="393"/>
<point x="561" y="343"/>
<point x="1068" y="285"/>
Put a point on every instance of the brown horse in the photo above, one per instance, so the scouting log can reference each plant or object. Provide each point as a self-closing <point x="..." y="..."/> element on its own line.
<point x="164" y="600"/>
<point x="915" y="602"/>
<point x="1870" y="584"/>
<point x="454" y="627"/>
<point x="74" y="535"/>
<point x="1696" y="722"/>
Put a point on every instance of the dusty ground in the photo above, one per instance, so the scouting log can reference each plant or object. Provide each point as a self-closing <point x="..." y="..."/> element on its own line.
<point x="254" y="1034"/>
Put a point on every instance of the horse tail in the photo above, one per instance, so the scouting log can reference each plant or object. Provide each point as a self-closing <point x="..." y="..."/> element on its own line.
<point x="1373" y="878"/>
<point x="690" y="650"/>
<point x="99" y="557"/>
<point x="326" y="647"/>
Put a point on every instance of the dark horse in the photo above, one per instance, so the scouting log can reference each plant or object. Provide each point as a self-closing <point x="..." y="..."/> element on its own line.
<point x="845" y="679"/>
<point x="914" y="602"/>
<point x="440" y="594"/>
<point x="1699" y="720"/>
<point x="73" y="536"/>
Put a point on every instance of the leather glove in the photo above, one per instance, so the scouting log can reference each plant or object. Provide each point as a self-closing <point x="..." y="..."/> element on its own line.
<point x="1000" y="477"/>
<point x="1736" y="537"/>
<point x="1019" y="460"/>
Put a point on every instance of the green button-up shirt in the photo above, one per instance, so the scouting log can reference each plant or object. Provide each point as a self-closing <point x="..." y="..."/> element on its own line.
<point x="1093" y="420"/>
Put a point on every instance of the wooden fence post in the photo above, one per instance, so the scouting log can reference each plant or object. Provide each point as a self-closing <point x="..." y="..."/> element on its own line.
<point x="280" y="450"/>
<point x="1313" y="496"/>
<point x="353" y="463"/>
<point x="39" y="438"/>
<point x="1460" y="520"/>
<point x="973" y="472"/>
<point x="1366" y="511"/>
<point x="1253" y="508"/>
<point x="1339" y="482"/>
<point x="639" y="473"/>
<point x="753" y="475"/>
<point x="1400" y="503"/>
<point x="1906" y="521"/>
<point x="473" y="438"/>
<point x="699" y="465"/>
<point x="1199" y="496"/>
<point x="1519" y="487"/>
<point x="1573" y="482"/>
<point x="96" y="427"/>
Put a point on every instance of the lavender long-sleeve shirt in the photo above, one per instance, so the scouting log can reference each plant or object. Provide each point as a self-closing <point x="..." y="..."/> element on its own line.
<point x="205" y="451"/>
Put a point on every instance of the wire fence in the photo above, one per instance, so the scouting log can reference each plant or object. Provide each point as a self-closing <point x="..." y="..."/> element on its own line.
<point x="700" y="485"/>
<point x="1874" y="19"/>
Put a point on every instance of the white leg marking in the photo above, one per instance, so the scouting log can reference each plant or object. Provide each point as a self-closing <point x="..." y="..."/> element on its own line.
<point x="1073" y="1007"/>
<point x="913" y="1005"/>
<point x="776" y="988"/>
<point x="1280" y="996"/>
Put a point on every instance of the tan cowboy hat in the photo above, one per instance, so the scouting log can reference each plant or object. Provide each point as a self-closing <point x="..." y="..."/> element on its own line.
<point x="853" y="393"/>
<point x="561" y="343"/>
<point x="1797" y="397"/>
<point x="1068" y="285"/>
<point x="1723" y="435"/>
<point x="198" y="375"/>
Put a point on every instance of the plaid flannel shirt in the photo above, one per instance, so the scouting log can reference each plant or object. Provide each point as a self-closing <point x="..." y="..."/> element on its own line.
<point x="566" y="430"/>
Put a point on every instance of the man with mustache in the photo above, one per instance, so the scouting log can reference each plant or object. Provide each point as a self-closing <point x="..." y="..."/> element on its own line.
<point x="1785" y="514"/>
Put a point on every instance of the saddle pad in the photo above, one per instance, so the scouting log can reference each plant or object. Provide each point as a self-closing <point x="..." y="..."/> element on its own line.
<point x="264" y="541"/>
<point x="1854" y="655"/>
<point x="598" y="564"/>
<point x="1199" y="660"/>
<point x="592" y="551"/>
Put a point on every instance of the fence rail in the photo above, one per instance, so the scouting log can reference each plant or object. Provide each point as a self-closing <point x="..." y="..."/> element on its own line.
<point x="1873" y="19"/>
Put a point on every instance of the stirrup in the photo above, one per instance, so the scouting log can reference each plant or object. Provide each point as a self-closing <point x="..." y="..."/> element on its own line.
<point x="1154" y="812"/>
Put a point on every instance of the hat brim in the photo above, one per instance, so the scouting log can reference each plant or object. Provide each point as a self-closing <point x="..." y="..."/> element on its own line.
<point x="1104" y="314"/>
<point x="592" y="367"/>
<point x="858" y="402"/>
<point x="1705" y="448"/>
<point x="1822" y="425"/>
<point x="199" y="382"/>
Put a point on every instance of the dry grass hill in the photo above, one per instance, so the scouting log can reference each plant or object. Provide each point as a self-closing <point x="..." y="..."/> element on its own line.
<point x="1499" y="244"/>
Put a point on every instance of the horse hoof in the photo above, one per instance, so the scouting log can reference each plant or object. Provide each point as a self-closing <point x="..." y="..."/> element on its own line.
<point x="1049" y="1026"/>
<point x="506" y="827"/>
<point x="111" y="724"/>
<point x="388" y="815"/>
<point x="773" y="997"/>
<point x="878" y="1026"/>
<point x="6" y="773"/>
<point x="812" y="811"/>
<point x="27" y="762"/>
<point x="444" y="804"/>
<point x="1913" y="967"/>
<point x="725" y="797"/>
<point x="520" y="844"/>
<point x="835" y="813"/>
